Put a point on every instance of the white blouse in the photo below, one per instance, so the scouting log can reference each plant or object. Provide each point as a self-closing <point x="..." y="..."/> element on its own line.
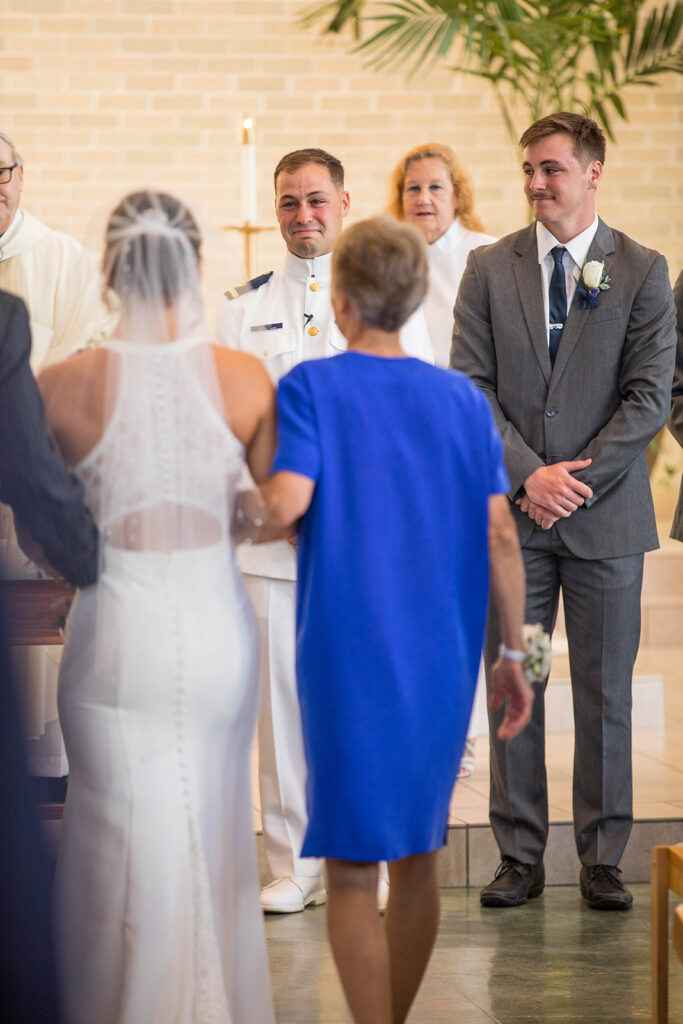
<point x="447" y="259"/>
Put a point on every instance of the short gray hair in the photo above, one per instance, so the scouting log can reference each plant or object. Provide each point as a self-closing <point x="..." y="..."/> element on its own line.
<point x="382" y="266"/>
<point x="16" y="157"/>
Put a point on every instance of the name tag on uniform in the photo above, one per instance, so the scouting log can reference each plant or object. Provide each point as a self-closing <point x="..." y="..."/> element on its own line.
<point x="265" y="327"/>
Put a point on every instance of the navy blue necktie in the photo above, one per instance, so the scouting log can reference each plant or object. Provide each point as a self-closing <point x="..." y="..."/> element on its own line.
<point x="557" y="302"/>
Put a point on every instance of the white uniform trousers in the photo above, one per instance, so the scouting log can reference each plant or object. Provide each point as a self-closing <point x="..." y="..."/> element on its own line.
<point x="479" y="720"/>
<point x="282" y="768"/>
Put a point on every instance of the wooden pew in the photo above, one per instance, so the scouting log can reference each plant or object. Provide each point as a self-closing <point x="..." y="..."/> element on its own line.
<point x="35" y="613"/>
<point x="666" y="874"/>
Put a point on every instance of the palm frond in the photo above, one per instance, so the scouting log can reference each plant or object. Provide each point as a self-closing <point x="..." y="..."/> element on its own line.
<point x="340" y="11"/>
<point x="571" y="53"/>
<point x="653" y="47"/>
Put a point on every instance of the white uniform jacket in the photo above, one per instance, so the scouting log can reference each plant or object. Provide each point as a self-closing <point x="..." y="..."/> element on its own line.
<point x="284" y="318"/>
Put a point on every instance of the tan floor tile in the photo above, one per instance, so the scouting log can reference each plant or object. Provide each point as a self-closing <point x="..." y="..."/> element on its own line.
<point x="655" y="809"/>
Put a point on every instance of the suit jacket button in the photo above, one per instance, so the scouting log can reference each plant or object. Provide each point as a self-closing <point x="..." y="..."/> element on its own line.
<point x="550" y="413"/>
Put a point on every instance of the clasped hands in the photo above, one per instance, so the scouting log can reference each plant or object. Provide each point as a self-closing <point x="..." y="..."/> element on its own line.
<point x="552" y="492"/>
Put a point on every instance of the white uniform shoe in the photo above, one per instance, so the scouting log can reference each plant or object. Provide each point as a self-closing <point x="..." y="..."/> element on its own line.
<point x="292" y="894"/>
<point x="382" y="894"/>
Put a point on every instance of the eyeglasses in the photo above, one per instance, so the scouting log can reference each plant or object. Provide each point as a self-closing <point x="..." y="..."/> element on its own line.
<point x="6" y="174"/>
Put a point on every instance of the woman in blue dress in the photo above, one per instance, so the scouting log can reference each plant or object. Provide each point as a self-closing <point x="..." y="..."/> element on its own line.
<point x="395" y="467"/>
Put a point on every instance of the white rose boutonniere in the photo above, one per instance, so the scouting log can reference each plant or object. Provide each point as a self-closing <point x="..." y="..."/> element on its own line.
<point x="593" y="280"/>
<point x="592" y="273"/>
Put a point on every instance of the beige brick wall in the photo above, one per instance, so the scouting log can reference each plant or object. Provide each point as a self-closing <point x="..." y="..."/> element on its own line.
<point x="106" y="95"/>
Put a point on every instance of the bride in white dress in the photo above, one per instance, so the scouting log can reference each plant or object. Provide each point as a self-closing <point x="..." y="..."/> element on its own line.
<point x="158" y="910"/>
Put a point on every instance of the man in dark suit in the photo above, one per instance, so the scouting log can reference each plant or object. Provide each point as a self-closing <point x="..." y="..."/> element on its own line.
<point x="676" y="418"/>
<point x="568" y="328"/>
<point x="49" y="502"/>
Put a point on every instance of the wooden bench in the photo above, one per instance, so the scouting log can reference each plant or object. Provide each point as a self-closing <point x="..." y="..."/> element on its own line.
<point x="666" y="874"/>
<point x="35" y="612"/>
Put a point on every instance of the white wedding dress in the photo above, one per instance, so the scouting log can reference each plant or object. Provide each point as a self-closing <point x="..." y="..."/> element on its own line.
<point x="158" y="910"/>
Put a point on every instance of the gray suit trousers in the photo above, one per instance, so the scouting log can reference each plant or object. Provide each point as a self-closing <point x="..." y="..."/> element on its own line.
<point x="602" y="615"/>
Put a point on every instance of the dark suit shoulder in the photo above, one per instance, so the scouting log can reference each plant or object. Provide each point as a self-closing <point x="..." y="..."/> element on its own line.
<point x="678" y="295"/>
<point x="8" y="300"/>
<point x="15" y="333"/>
<point x="11" y="306"/>
<point x="248" y="286"/>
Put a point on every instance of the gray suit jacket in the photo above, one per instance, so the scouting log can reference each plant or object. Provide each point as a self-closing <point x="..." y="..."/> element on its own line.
<point x="607" y="395"/>
<point x="676" y="418"/>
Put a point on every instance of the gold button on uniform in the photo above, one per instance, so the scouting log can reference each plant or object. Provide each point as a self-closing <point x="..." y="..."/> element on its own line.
<point x="313" y="331"/>
<point x="266" y="352"/>
<point x="314" y="286"/>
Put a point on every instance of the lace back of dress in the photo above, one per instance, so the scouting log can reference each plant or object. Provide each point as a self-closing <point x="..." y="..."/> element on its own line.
<point x="163" y="475"/>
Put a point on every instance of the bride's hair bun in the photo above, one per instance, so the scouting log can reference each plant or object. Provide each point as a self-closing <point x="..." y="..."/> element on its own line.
<point x="152" y="247"/>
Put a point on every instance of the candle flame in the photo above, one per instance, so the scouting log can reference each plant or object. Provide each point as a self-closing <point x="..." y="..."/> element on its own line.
<point x="248" y="131"/>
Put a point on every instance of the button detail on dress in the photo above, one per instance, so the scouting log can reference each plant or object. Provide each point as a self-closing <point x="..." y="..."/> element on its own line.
<point x="314" y="286"/>
<point x="313" y="331"/>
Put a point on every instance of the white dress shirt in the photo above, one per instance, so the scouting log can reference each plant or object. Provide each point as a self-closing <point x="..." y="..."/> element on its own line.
<point x="572" y="262"/>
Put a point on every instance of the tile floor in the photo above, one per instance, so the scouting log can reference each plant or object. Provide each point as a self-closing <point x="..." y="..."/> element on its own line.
<point x="552" y="961"/>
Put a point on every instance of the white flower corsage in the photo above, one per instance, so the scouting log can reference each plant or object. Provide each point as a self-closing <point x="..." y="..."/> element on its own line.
<point x="593" y="280"/>
<point x="536" y="664"/>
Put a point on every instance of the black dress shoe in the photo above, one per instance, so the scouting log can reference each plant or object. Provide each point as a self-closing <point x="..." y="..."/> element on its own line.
<point x="602" y="888"/>
<point x="513" y="884"/>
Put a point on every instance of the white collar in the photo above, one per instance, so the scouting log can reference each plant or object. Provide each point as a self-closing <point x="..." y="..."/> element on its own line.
<point x="12" y="229"/>
<point x="451" y="238"/>
<point x="577" y="247"/>
<point x="302" y="269"/>
<point x="29" y="232"/>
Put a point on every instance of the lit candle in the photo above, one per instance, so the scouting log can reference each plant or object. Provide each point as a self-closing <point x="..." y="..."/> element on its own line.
<point x="249" y="170"/>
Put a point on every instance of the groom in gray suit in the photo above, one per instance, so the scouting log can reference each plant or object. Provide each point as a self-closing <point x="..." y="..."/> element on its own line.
<point x="568" y="327"/>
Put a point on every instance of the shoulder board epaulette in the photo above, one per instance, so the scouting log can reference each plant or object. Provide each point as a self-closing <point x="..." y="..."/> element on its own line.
<point x="256" y="282"/>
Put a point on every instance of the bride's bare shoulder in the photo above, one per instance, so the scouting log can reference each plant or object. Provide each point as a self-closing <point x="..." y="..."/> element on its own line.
<point x="239" y="371"/>
<point x="75" y="374"/>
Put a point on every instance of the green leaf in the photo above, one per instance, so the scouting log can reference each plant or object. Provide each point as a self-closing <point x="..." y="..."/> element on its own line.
<point x="616" y="102"/>
<point x="346" y="10"/>
<point x="566" y="53"/>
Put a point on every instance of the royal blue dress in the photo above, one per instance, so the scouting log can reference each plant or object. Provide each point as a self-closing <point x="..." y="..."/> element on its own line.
<point x="392" y="592"/>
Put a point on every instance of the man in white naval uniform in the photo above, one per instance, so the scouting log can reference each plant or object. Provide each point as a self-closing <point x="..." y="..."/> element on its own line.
<point x="59" y="282"/>
<point x="285" y="317"/>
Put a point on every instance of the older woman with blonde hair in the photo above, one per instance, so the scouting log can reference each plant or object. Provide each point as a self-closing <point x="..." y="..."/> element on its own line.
<point x="431" y="190"/>
<point x="391" y="602"/>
